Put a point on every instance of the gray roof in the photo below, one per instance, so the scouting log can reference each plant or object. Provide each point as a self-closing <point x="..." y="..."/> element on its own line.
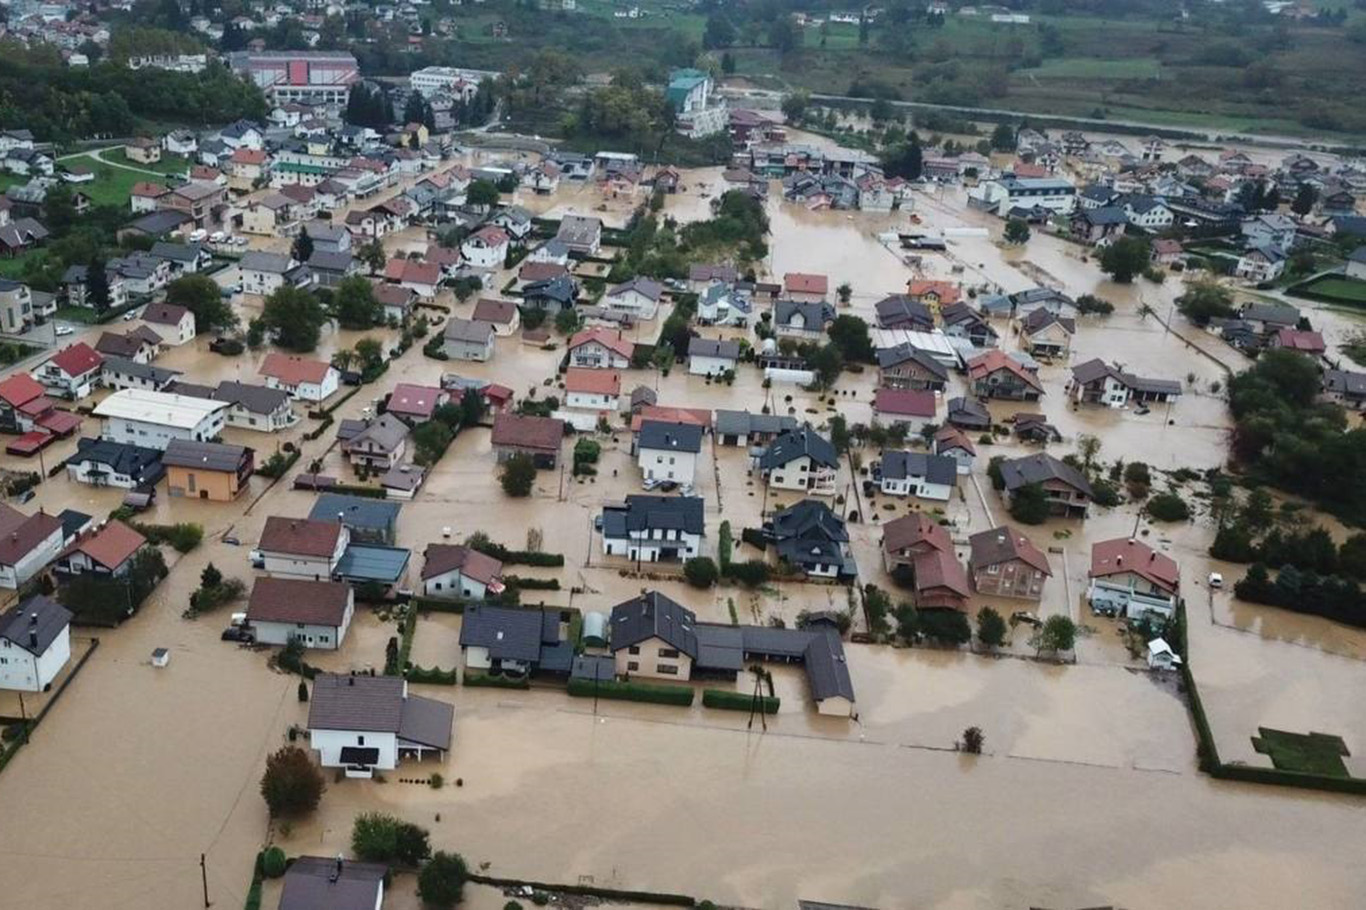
<point x="356" y="512"/>
<point x="259" y="261"/>
<point x="377" y="703"/>
<point x="673" y="437"/>
<point x="901" y="353"/>
<point x="471" y="330"/>
<point x="158" y="223"/>
<point x="386" y="432"/>
<point x="509" y="633"/>
<point x="328" y="261"/>
<point x="123" y="366"/>
<point x="898" y="309"/>
<point x="310" y="885"/>
<point x="814" y="314"/>
<point x="827" y="669"/>
<point x="1041" y="467"/>
<point x="138" y="462"/>
<point x="808" y="520"/>
<point x="654" y="615"/>
<point x="1345" y="382"/>
<point x="653" y="513"/>
<point x="743" y="423"/>
<point x="578" y="229"/>
<point x="969" y="411"/>
<point x="714" y="347"/>
<point x="176" y="252"/>
<point x="939" y="469"/>
<point x="35" y="623"/>
<point x="258" y="399"/>
<point x="1271" y="313"/>
<point x="594" y="666"/>
<point x="211" y="456"/>
<point x="796" y="443"/>
<point x="646" y="287"/>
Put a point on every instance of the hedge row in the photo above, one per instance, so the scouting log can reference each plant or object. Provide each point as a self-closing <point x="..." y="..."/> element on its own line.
<point x="488" y="680"/>
<point x="437" y="605"/>
<point x="632" y="691"/>
<point x="532" y="584"/>
<point x="355" y="490"/>
<point x="435" y="676"/>
<point x="519" y="557"/>
<point x="738" y="701"/>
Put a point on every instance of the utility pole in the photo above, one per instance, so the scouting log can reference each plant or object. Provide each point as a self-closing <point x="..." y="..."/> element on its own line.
<point x="204" y="879"/>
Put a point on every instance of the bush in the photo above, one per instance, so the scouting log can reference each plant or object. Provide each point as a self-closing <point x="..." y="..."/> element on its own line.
<point x="1029" y="505"/>
<point x="632" y="691"/>
<point x="752" y="573"/>
<point x="488" y="680"/>
<point x="701" y="572"/>
<point x="1168" y="507"/>
<point x="277" y="464"/>
<point x="724" y="544"/>
<point x="435" y="676"/>
<point x="727" y="700"/>
<point x="973" y="740"/>
<point x="184" y="537"/>
<point x="508" y="557"/>
<point x="519" y="475"/>
<point x="441" y="882"/>
<point x="1104" y="493"/>
<point x="273" y="863"/>
<point x="380" y="838"/>
<point x="991" y="628"/>
<point x="292" y="784"/>
<point x="945" y="626"/>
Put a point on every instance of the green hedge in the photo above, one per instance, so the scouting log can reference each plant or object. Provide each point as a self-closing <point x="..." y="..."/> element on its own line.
<point x="437" y="605"/>
<point x="490" y="681"/>
<point x="728" y="700"/>
<point x="354" y="490"/>
<point x="435" y="676"/>
<point x="519" y="557"/>
<point x="532" y="584"/>
<point x="632" y="691"/>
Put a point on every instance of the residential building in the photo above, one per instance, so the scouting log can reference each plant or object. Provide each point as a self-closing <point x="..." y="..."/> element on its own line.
<point x="264" y="273"/>
<point x="912" y="408"/>
<point x="592" y="390"/>
<point x="415" y="404"/>
<point x="639" y="297"/>
<point x="35" y="644"/>
<point x="503" y="315"/>
<point x="539" y="437"/>
<point x="1005" y="563"/>
<point x="742" y="428"/>
<point x="552" y="294"/>
<point x="1067" y="489"/>
<point x="130" y="374"/>
<point x="654" y="528"/>
<point x="368" y="520"/>
<point x="1097" y="382"/>
<point x="668" y="451"/>
<point x="600" y="349"/>
<point x="712" y="356"/>
<point x="514" y="641"/>
<point x="1261" y="263"/>
<point x="316" y="614"/>
<point x="146" y="418"/>
<point x="141" y="345"/>
<point x="802" y="320"/>
<point x="804" y="287"/>
<point x="302" y="378"/>
<point x="301" y="548"/>
<point x="207" y="470"/>
<point x="905" y="366"/>
<point x="582" y="234"/>
<point x="995" y="374"/>
<point x="486" y="248"/>
<point x="802" y="460"/>
<point x="72" y="373"/>
<point x="962" y="321"/>
<point x="27" y="544"/>
<point x="918" y="546"/>
<point x="1345" y="388"/>
<point x="812" y="538"/>
<point x="968" y="414"/>
<point x="174" y="324"/>
<point x="1270" y="230"/>
<point x="327" y="883"/>
<point x="107" y="550"/>
<point x="467" y="339"/>
<point x="1007" y="193"/>
<point x="653" y="637"/>
<point x="377" y="444"/>
<point x="900" y="311"/>
<point x="1303" y="341"/>
<point x="1128" y="578"/>
<point x="102" y="463"/>
<point x="256" y="407"/>
<point x="901" y="473"/>
<point x="365" y="724"/>
<point x="1046" y="334"/>
<point x="16" y="307"/>
<point x="459" y="572"/>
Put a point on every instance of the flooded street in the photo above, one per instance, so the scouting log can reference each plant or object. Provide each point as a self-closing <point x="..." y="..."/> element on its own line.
<point x="1087" y="794"/>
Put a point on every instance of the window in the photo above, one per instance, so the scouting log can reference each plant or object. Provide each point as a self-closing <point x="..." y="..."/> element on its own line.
<point x="360" y="740"/>
<point x="993" y="570"/>
<point x="634" y="649"/>
<point x="666" y="669"/>
<point x="633" y="666"/>
<point x="668" y="652"/>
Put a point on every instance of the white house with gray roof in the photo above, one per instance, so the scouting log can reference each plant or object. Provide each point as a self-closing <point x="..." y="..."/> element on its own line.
<point x="639" y="298"/>
<point x="712" y="356"/>
<point x="653" y="528"/>
<point x="365" y="724"/>
<point x="264" y="273"/>
<point x="668" y="451"/>
<point x="35" y="644"/>
<point x="467" y="339"/>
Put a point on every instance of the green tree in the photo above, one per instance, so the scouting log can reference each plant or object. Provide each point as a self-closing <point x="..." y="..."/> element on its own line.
<point x="1029" y="504"/>
<point x="1089" y="447"/>
<point x="354" y="304"/>
<point x="482" y="193"/>
<point x="1017" y="231"/>
<point x="292" y="784"/>
<point x="850" y="335"/>
<point x="97" y="285"/>
<point x="210" y="577"/>
<point x="302" y="250"/>
<point x="1058" y="633"/>
<point x="948" y="627"/>
<point x="1125" y="258"/>
<point x="1003" y="138"/>
<point x="294" y="318"/>
<point x="826" y="362"/>
<point x="201" y="295"/>
<point x="1305" y="199"/>
<point x="519" y="474"/>
<point x="795" y="105"/>
<point x="369" y="353"/>
<point x="567" y="321"/>
<point x="373" y="255"/>
<point x="1205" y="300"/>
<point x="784" y="36"/>
<point x="991" y="628"/>
<point x="430" y="441"/>
<point x="719" y="32"/>
<point x="472" y="408"/>
<point x="441" y="882"/>
<point x="59" y="211"/>
<point x="701" y="572"/>
<point x="1168" y="507"/>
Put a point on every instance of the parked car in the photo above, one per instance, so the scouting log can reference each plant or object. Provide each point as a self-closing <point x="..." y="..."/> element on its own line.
<point x="1026" y="617"/>
<point x="218" y="237"/>
<point x="198" y="235"/>
<point x="1216" y="580"/>
<point x="65" y="330"/>
<point x="237" y="633"/>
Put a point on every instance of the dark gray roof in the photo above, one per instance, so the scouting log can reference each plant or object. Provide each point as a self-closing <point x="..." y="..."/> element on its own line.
<point x="817" y="646"/>
<point x="1041" y="467"/>
<point x="814" y="315"/>
<point x="673" y="437"/>
<point x="1105" y="215"/>
<point x="310" y="885"/>
<point x="328" y="261"/>
<point x="969" y="412"/>
<point x="744" y="423"/>
<point x="898" y="309"/>
<point x="356" y="512"/>
<point x="377" y="703"/>
<point x="939" y="469"/>
<point x="211" y="456"/>
<point x="191" y="389"/>
<point x="653" y="615"/>
<point x="901" y="353"/>
<point x="157" y="223"/>
<point x="594" y="666"/>
<point x="796" y="443"/>
<point x="255" y="398"/>
<point x="649" y="513"/>
<point x="1037" y="320"/>
<point x="714" y="347"/>
<point x="827" y="669"/>
<point x="561" y="289"/>
<point x="1271" y="313"/>
<point x="386" y="432"/>
<point x="426" y="721"/>
<point x="509" y="633"/>
<point x="176" y="252"/>
<point x="721" y="647"/>
<point x="138" y="462"/>
<point x="35" y="623"/>
<point x="808" y="520"/>
<point x="1345" y="382"/>
<point x="260" y="261"/>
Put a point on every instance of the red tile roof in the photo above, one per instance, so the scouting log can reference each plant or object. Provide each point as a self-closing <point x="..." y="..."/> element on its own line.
<point x="300" y="536"/>
<point x="946" y="291"/>
<point x="1300" y="340"/>
<point x="698" y="416"/>
<point x="416" y="400"/>
<point x="149" y="189"/>
<point x="993" y="360"/>
<point x="20" y="533"/>
<point x="605" y="337"/>
<point x="950" y="437"/>
<point x="803" y="283"/>
<point x="19" y="389"/>
<point x="909" y="402"/>
<point x="248" y="156"/>
<point x="293" y="370"/>
<point x="1114" y="557"/>
<point x="540" y="271"/>
<point x="442" y="558"/>
<point x="593" y="382"/>
<point x="110" y="546"/>
<point x="316" y="603"/>
<point x="517" y="431"/>
<point x="78" y="359"/>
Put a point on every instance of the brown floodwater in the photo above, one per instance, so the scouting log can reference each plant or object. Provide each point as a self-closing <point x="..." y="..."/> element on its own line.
<point x="1088" y="793"/>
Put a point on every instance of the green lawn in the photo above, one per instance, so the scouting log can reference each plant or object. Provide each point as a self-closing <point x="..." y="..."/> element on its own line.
<point x="1334" y="289"/>
<point x="1312" y="753"/>
<point x="171" y="165"/>
<point x="1098" y="68"/>
<point x="13" y="267"/>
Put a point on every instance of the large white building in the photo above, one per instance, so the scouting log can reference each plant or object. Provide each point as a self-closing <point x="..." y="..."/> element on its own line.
<point x="1005" y="194"/>
<point x="367" y="723"/>
<point x="449" y="80"/>
<point x="309" y="77"/>
<point x="152" y="419"/>
<point x="668" y="451"/>
<point x="314" y="613"/>
<point x="35" y="643"/>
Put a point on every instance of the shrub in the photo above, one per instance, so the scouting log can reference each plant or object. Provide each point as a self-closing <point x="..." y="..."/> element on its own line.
<point x="1168" y="507"/>
<point x="380" y="838"/>
<point x="273" y="863"/>
<point x="724" y="544"/>
<point x="490" y="681"/>
<point x="292" y="784"/>
<point x="738" y="701"/>
<point x="1104" y="493"/>
<point x="946" y="626"/>
<point x="751" y="573"/>
<point x="973" y="740"/>
<point x="435" y="676"/>
<point x="184" y="537"/>
<point x="303" y="691"/>
<point x="1029" y="504"/>
<point x="991" y="628"/>
<point x="441" y="882"/>
<point x="519" y="475"/>
<point x="701" y="572"/>
<point x="632" y="691"/>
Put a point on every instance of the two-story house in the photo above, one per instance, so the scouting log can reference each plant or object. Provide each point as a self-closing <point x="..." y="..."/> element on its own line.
<point x="802" y="460"/>
<point x="1005" y="563"/>
<point x="301" y="548"/>
<point x="653" y="528"/>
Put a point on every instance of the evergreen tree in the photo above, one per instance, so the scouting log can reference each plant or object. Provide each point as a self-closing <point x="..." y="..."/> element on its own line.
<point x="302" y="250"/>
<point x="97" y="285"/>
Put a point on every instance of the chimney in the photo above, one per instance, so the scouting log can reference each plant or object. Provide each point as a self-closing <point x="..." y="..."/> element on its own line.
<point x="1119" y="560"/>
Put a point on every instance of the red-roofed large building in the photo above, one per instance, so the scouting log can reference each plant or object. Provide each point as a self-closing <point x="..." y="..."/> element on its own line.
<point x="539" y="437"/>
<point x="72" y="373"/>
<point x="919" y="547"/>
<point x="1301" y="340"/>
<point x="422" y="278"/>
<point x="302" y="378"/>
<point x="592" y="390"/>
<point x="805" y="287"/>
<point x="912" y="407"/>
<point x="1131" y="579"/>
<point x="486" y="248"/>
<point x="25" y="408"/>
<point x="996" y="374"/>
<point x="600" y="349"/>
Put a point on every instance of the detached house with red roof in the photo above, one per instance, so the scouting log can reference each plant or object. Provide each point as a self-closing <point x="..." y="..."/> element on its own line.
<point x="305" y="379"/>
<point x="918" y="546"/>
<point x="1005" y="563"/>
<point x="592" y="390"/>
<point x="25" y="408"/>
<point x="422" y="278"/>
<point x="72" y="373"/>
<point x="455" y="572"/>
<point x="996" y="374"/>
<point x="106" y="551"/>
<point x="913" y="408"/>
<point x="301" y="547"/>
<point x="805" y="288"/>
<point x="1132" y="580"/>
<point x="145" y="197"/>
<point x="314" y="613"/>
<point x="415" y="404"/>
<point x="1300" y="340"/>
<point x="27" y="544"/>
<point x="486" y="248"/>
<point x="600" y="349"/>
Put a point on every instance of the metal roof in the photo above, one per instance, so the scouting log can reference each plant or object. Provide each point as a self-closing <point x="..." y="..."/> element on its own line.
<point x="164" y="408"/>
<point x="372" y="562"/>
<point x="209" y="456"/>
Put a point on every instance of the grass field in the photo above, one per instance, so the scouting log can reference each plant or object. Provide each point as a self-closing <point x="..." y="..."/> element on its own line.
<point x="1096" y="68"/>
<point x="111" y="186"/>
<point x="1334" y="289"/>
<point x="173" y="165"/>
<point x="13" y="267"/>
<point x="1312" y="753"/>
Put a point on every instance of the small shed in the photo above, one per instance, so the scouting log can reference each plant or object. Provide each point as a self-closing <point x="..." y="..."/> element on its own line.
<point x="594" y="629"/>
<point x="161" y="657"/>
